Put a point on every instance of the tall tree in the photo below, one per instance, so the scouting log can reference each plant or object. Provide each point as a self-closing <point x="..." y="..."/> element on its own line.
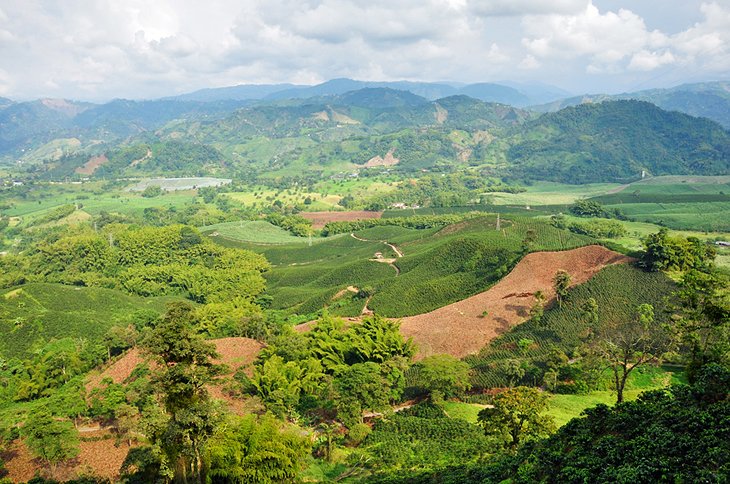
<point x="628" y="344"/>
<point x="703" y="319"/>
<point x="185" y="368"/>
<point x="52" y="441"/>
<point x="517" y="415"/>
<point x="561" y="283"/>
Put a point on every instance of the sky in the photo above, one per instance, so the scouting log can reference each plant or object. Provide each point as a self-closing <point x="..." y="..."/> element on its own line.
<point x="140" y="49"/>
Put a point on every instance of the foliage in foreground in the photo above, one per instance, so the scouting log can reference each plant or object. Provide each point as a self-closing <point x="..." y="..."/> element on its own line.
<point x="677" y="435"/>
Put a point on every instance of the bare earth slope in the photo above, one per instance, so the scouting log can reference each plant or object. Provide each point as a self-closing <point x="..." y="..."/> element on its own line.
<point x="234" y="352"/>
<point x="459" y="329"/>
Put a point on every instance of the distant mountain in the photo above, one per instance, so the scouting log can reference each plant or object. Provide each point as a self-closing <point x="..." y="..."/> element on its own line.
<point x="28" y="125"/>
<point x="242" y="92"/>
<point x="369" y="128"/>
<point x="341" y="86"/>
<point x="616" y="140"/>
<point x="380" y="98"/>
<point x="32" y="123"/>
<point x="123" y="117"/>
<point x="5" y="102"/>
<point x="537" y="91"/>
<point x="709" y="100"/>
<point x="495" y="93"/>
<point x="516" y="95"/>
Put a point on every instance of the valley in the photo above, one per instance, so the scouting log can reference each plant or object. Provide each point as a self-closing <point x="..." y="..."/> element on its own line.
<point x="354" y="279"/>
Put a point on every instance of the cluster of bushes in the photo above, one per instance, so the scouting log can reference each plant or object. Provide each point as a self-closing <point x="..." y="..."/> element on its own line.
<point x="296" y="224"/>
<point x="592" y="208"/>
<point x="415" y="222"/>
<point x="147" y="261"/>
<point x="665" y="253"/>
<point x="599" y="229"/>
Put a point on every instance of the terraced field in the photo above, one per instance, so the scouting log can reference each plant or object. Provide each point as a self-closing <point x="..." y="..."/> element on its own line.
<point x="437" y="267"/>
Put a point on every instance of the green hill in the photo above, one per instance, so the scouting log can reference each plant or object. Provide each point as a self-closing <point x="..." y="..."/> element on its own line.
<point x="34" y="314"/>
<point x="707" y="99"/>
<point x="616" y="140"/>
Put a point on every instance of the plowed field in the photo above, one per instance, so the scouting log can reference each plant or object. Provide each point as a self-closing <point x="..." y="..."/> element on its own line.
<point x="460" y="329"/>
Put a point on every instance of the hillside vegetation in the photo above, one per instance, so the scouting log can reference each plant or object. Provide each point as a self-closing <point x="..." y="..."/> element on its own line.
<point x="618" y="140"/>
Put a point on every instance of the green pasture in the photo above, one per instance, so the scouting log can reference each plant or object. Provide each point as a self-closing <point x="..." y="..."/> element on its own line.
<point x="551" y="193"/>
<point x="256" y="232"/>
<point x="702" y="216"/>
<point x="563" y="408"/>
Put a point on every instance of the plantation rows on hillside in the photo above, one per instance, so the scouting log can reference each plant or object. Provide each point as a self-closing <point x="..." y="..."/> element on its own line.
<point x="438" y="266"/>
<point x="617" y="290"/>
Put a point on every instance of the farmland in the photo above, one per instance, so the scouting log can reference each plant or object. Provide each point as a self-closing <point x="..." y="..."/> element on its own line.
<point x="431" y="273"/>
<point x="37" y="313"/>
<point x="617" y="291"/>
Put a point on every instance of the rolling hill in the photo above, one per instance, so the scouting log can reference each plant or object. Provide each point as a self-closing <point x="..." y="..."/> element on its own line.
<point x="617" y="140"/>
<point x="709" y="100"/>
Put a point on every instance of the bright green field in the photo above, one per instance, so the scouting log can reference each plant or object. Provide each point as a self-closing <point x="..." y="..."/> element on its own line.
<point x="566" y="407"/>
<point x="550" y="193"/>
<point x="264" y="197"/>
<point x="94" y="203"/>
<point x="256" y="232"/>
<point x="563" y="408"/>
<point x="710" y="216"/>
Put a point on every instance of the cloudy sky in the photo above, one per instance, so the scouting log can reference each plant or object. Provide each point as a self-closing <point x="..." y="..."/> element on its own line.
<point x="103" y="49"/>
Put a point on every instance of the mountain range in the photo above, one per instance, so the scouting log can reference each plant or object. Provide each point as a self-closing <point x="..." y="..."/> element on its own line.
<point x="329" y="132"/>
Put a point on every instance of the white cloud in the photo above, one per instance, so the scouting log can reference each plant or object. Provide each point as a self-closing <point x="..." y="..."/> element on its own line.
<point x="100" y="49"/>
<point x="613" y="42"/>
<point x="645" y="60"/>
<point x="525" y="7"/>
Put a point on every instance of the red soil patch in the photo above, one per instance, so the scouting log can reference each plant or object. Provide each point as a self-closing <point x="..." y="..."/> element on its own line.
<point x="377" y="160"/>
<point x="320" y="219"/>
<point x="235" y="352"/>
<point x="101" y="457"/>
<point x="459" y="329"/>
<point x="90" y="166"/>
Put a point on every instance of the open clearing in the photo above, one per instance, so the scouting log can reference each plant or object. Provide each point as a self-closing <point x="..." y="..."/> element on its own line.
<point x="460" y="328"/>
<point x="320" y="219"/>
<point x="256" y="232"/>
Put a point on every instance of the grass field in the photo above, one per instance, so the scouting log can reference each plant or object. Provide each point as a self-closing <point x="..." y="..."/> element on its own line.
<point x="263" y="197"/>
<point x="94" y="203"/>
<point x="637" y="231"/>
<point x="174" y="184"/>
<point x="705" y="216"/>
<point x="563" y="408"/>
<point x="550" y="193"/>
<point x="257" y="232"/>
<point x="33" y="314"/>
<point x="566" y="407"/>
